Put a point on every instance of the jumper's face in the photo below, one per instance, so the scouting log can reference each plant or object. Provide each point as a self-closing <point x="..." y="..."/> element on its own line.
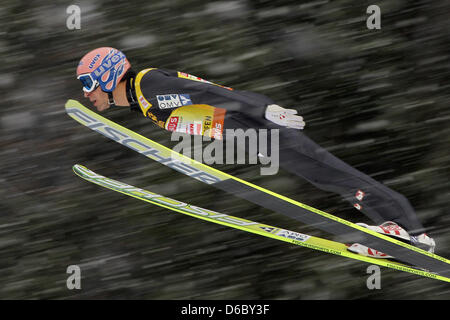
<point x="98" y="98"/>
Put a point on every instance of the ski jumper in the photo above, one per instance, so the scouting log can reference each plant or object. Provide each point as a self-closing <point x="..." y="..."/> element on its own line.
<point x="181" y="102"/>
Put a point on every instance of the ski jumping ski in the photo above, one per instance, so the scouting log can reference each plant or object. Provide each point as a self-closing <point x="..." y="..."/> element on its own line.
<point x="348" y="232"/>
<point x="265" y="230"/>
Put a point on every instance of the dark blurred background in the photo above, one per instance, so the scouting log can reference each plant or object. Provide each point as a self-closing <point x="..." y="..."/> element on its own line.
<point x="378" y="99"/>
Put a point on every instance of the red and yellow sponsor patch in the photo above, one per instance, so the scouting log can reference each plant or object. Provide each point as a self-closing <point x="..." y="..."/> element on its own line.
<point x="197" y="119"/>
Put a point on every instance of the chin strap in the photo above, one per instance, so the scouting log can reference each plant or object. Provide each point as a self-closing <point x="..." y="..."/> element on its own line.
<point x="131" y="95"/>
<point x="111" y="101"/>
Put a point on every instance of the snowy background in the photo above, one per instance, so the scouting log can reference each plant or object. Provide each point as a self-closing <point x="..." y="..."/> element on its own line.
<point x="378" y="99"/>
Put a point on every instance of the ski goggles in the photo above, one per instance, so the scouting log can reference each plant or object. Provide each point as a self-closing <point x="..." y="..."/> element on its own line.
<point x="88" y="83"/>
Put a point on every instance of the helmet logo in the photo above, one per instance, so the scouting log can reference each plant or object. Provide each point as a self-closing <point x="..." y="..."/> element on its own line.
<point x="110" y="69"/>
<point x="103" y="67"/>
<point x="91" y="65"/>
<point x="109" y="72"/>
<point x="108" y="62"/>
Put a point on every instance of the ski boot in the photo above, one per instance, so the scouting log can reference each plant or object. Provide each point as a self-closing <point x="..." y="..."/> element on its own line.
<point x="392" y="229"/>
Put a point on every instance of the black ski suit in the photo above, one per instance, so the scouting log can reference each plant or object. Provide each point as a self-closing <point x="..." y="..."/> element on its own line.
<point x="167" y="96"/>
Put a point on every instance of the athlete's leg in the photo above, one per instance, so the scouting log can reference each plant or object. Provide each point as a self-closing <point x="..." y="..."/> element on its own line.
<point x="305" y="158"/>
<point x="300" y="155"/>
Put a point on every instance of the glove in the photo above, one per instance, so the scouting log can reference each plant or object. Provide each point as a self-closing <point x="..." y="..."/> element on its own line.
<point x="284" y="117"/>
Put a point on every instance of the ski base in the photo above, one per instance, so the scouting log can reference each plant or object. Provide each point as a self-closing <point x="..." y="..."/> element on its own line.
<point x="265" y="230"/>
